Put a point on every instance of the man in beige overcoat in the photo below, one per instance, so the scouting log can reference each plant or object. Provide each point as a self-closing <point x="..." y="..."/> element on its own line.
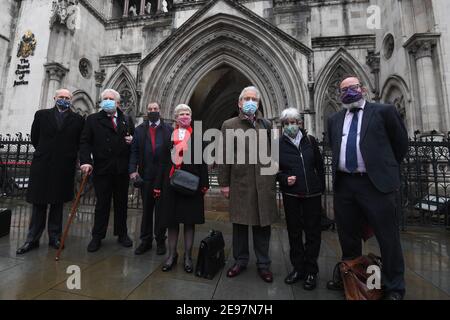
<point x="252" y="194"/>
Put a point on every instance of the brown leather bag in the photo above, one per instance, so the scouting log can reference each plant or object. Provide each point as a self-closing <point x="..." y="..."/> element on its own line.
<point x="354" y="276"/>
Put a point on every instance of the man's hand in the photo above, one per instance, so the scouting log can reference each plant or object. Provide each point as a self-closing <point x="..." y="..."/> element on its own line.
<point x="134" y="175"/>
<point x="226" y="192"/>
<point x="291" y="181"/>
<point x="156" y="193"/>
<point x="86" y="169"/>
<point x="129" y="139"/>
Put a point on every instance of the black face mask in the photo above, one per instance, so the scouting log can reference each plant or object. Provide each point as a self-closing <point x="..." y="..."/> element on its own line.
<point x="153" y="116"/>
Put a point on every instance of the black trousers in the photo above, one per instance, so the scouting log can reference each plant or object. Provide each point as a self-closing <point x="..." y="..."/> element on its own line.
<point x="107" y="187"/>
<point x="357" y="201"/>
<point x="148" y="228"/>
<point x="37" y="223"/>
<point x="303" y="216"/>
<point x="261" y="242"/>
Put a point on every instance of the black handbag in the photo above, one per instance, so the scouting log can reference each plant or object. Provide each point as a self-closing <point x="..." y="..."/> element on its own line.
<point x="184" y="182"/>
<point x="211" y="256"/>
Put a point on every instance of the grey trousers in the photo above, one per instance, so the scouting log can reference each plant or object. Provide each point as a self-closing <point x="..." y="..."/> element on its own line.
<point x="261" y="241"/>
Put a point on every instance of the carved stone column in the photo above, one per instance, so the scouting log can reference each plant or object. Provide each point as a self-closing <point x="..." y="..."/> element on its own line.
<point x="421" y="47"/>
<point x="99" y="79"/>
<point x="126" y="7"/>
<point x="373" y="61"/>
<point x="142" y="10"/>
<point x="55" y="73"/>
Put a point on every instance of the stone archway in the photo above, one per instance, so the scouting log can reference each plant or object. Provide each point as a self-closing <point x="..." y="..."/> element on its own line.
<point x="178" y="66"/>
<point x="216" y="96"/>
<point x="395" y="91"/>
<point x="326" y="89"/>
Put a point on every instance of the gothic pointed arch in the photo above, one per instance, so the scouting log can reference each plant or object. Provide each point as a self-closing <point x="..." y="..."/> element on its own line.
<point x="396" y="92"/>
<point x="225" y="40"/>
<point x="82" y="103"/>
<point x="125" y="83"/>
<point x="326" y="98"/>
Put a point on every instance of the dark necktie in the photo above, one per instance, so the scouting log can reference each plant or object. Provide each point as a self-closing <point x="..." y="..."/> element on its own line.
<point x="114" y="123"/>
<point x="351" y="157"/>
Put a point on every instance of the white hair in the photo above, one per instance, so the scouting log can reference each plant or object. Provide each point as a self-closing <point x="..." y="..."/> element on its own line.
<point x="114" y="92"/>
<point x="181" y="107"/>
<point x="290" y="113"/>
<point x="251" y="88"/>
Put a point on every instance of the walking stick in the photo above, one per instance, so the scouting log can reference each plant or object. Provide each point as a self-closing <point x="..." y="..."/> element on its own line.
<point x="72" y="215"/>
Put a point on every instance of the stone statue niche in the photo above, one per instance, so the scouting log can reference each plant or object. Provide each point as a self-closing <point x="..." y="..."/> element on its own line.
<point x="148" y="8"/>
<point x="133" y="11"/>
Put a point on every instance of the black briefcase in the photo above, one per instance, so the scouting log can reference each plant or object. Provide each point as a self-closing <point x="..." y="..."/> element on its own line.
<point x="211" y="256"/>
<point x="5" y="221"/>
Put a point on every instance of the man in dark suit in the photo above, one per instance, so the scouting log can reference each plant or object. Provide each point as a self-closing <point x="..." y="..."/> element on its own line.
<point x="105" y="152"/>
<point x="150" y="144"/>
<point x="368" y="142"/>
<point x="55" y="135"/>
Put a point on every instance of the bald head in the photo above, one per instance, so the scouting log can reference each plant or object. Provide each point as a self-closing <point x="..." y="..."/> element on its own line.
<point x="63" y="94"/>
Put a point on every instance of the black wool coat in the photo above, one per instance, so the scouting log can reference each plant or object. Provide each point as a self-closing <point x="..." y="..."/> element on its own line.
<point x="54" y="162"/>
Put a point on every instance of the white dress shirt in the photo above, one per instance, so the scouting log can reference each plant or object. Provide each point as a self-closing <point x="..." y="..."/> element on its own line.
<point x="347" y="123"/>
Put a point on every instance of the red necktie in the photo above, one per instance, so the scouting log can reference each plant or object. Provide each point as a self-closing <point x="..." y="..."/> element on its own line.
<point x="114" y="123"/>
<point x="152" y="132"/>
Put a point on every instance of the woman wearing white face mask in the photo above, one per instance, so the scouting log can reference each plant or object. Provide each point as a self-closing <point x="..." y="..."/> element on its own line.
<point x="178" y="208"/>
<point x="302" y="182"/>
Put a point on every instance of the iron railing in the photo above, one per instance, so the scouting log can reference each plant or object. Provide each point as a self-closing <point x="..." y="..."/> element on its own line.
<point x="424" y="197"/>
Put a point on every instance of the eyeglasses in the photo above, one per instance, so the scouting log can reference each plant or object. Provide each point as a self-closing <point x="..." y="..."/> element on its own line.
<point x="352" y="87"/>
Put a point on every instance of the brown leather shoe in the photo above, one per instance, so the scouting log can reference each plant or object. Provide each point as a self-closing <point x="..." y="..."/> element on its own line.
<point x="235" y="270"/>
<point x="266" y="275"/>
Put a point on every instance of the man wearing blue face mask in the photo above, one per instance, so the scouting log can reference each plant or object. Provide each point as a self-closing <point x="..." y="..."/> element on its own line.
<point x="105" y="152"/>
<point x="368" y="142"/>
<point x="55" y="135"/>
<point x="252" y="195"/>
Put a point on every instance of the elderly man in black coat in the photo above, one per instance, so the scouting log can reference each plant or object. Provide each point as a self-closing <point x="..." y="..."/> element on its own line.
<point x="55" y="134"/>
<point x="105" y="152"/>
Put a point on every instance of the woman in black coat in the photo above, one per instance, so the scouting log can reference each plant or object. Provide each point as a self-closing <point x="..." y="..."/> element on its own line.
<point x="177" y="207"/>
<point x="302" y="182"/>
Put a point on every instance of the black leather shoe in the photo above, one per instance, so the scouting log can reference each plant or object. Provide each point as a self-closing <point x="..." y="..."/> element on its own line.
<point x="188" y="265"/>
<point x="293" y="277"/>
<point x="28" y="246"/>
<point x="335" y="285"/>
<point x="94" y="245"/>
<point x="235" y="270"/>
<point x="143" y="247"/>
<point x="55" y="244"/>
<point x="125" y="241"/>
<point x="310" y="282"/>
<point x="168" y="265"/>
<point x="393" y="296"/>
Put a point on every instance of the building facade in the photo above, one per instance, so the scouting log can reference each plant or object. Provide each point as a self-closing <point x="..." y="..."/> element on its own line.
<point x="204" y="52"/>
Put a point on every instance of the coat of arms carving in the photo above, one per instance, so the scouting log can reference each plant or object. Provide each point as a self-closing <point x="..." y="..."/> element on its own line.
<point x="27" y="45"/>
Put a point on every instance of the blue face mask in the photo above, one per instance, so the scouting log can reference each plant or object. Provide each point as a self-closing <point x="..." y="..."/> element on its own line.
<point x="108" y="106"/>
<point x="63" y="104"/>
<point x="249" y="108"/>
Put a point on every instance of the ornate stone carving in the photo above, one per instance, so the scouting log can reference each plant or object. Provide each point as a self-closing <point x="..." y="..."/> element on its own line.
<point x="99" y="77"/>
<point x="388" y="46"/>
<point x="27" y="45"/>
<point x="56" y="71"/>
<point x="421" y="45"/>
<point x="66" y="13"/>
<point x="85" y="67"/>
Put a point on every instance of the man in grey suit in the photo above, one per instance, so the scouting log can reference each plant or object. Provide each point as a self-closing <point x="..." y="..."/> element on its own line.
<point x="368" y="142"/>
